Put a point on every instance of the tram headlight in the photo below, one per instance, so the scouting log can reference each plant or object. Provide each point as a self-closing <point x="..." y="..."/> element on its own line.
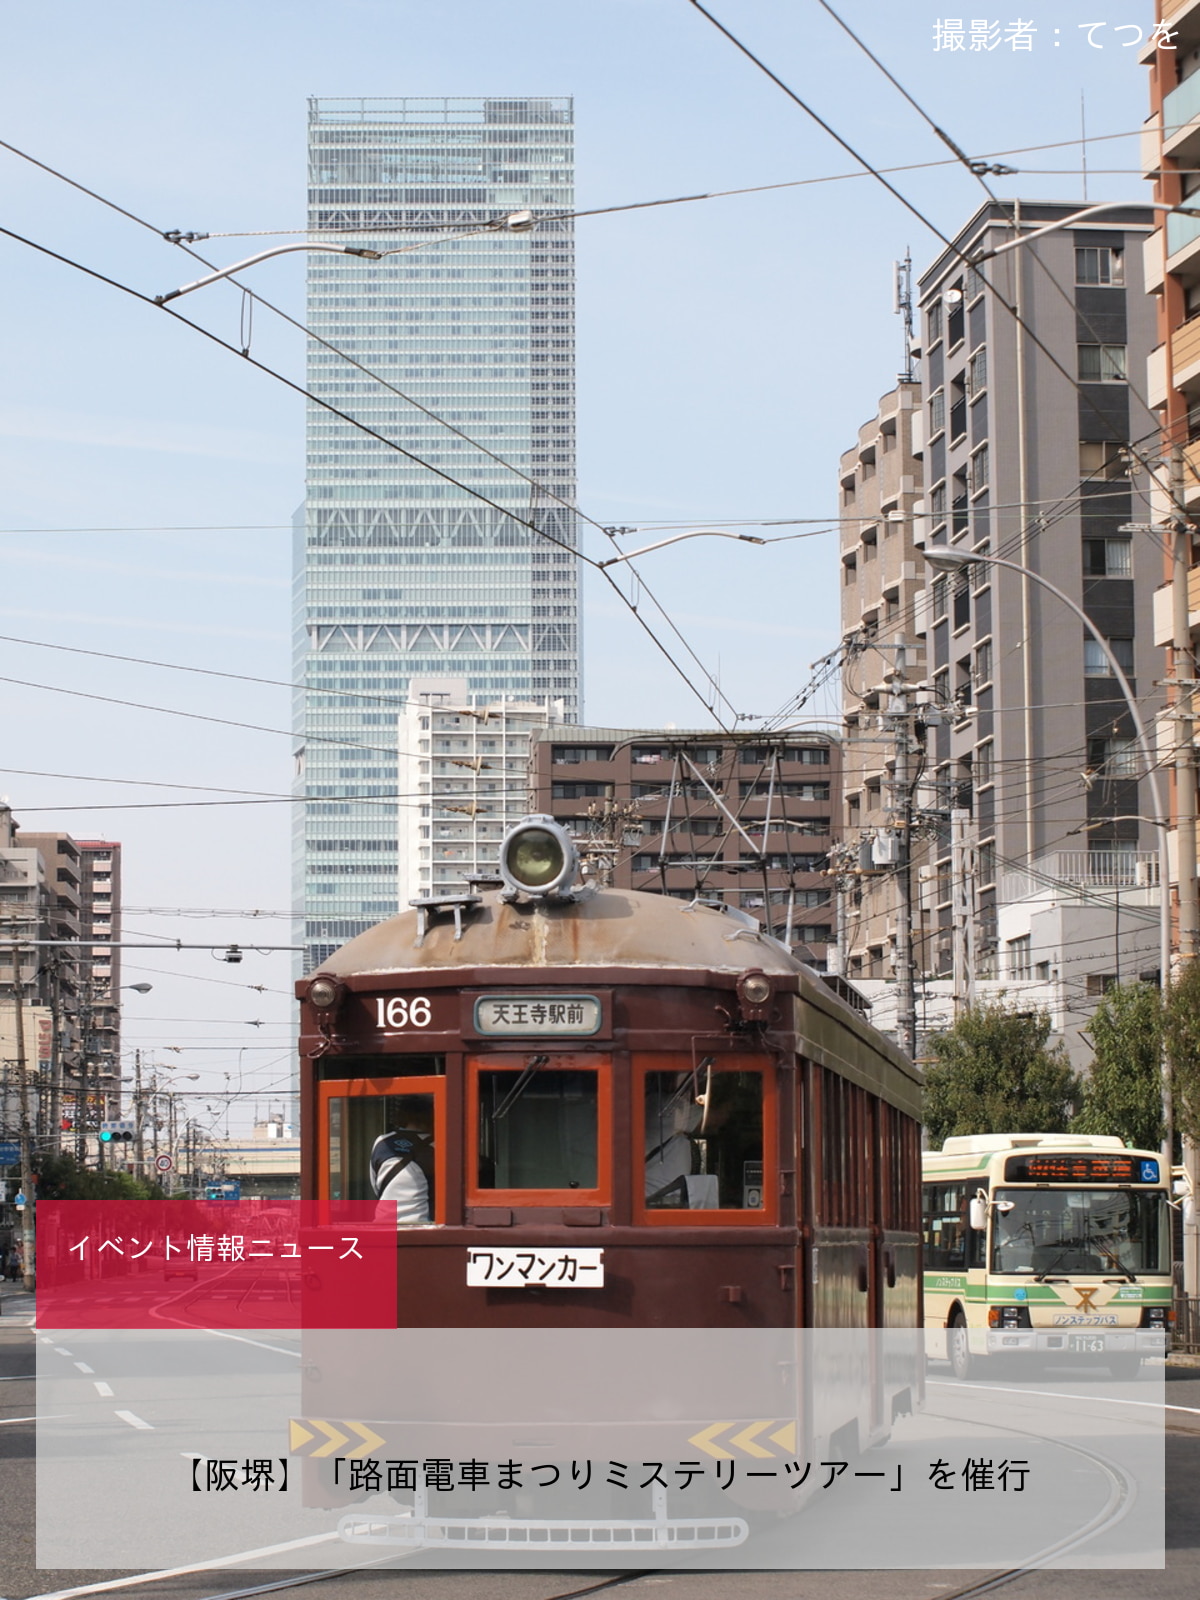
<point x="754" y="995"/>
<point x="537" y="859"/>
<point x="324" y="993"/>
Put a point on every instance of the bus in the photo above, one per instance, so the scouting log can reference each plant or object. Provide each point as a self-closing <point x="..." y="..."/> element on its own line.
<point x="1046" y="1244"/>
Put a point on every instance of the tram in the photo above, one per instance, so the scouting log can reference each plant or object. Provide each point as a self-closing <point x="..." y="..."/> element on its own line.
<point x="604" y="1110"/>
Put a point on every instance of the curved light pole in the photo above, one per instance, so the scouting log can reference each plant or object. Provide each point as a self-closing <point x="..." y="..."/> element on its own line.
<point x="956" y="561"/>
<point x="695" y="533"/>
<point x="1080" y="216"/>
<point x="515" y="222"/>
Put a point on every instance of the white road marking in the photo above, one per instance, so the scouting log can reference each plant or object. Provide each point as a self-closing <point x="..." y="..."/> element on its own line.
<point x="239" y="1559"/>
<point x="134" y="1421"/>
<point x="83" y="1366"/>
<point x="219" y="1333"/>
<point x="102" y="1388"/>
<point x="59" y="1351"/>
<point x="1050" y="1394"/>
<point x="56" y="1416"/>
<point x="19" y="1378"/>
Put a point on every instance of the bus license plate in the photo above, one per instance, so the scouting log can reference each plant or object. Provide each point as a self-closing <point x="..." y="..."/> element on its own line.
<point x="1092" y="1346"/>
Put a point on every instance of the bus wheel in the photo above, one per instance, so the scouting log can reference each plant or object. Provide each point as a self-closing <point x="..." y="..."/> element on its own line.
<point x="1124" y="1368"/>
<point x="958" y="1351"/>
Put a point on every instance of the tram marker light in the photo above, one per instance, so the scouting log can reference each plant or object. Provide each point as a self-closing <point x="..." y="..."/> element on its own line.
<point x="324" y="993"/>
<point x="538" y="860"/>
<point x="754" y="995"/>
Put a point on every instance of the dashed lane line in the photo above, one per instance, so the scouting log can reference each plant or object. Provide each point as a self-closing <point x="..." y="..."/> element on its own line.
<point x="134" y="1421"/>
<point x="83" y="1366"/>
<point x="102" y="1388"/>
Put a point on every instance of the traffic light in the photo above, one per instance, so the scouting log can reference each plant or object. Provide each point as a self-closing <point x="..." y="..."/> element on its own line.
<point x="112" y="1131"/>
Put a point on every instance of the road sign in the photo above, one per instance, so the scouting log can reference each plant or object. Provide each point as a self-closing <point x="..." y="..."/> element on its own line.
<point x="163" y="1163"/>
<point x="10" y="1153"/>
<point x="19" y="1201"/>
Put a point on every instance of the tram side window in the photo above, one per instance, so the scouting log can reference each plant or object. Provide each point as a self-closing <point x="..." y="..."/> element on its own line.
<point x="944" y="1227"/>
<point x="537" y="1129"/>
<point x="381" y="1147"/>
<point x="704" y="1149"/>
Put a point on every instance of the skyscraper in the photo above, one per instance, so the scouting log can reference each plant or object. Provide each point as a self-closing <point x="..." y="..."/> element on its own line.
<point x="401" y="574"/>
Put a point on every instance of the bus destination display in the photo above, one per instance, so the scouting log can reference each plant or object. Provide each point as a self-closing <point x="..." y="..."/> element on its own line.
<point x="1092" y="1168"/>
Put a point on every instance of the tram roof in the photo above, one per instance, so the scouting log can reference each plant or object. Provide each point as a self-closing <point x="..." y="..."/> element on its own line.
<point x="607" y="928"/>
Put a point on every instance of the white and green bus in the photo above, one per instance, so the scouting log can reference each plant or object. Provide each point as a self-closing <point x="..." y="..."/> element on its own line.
<point x="1050" y="1244"/>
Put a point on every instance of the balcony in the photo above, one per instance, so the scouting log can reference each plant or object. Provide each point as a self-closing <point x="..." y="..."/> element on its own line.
<point x="1181" y="109"/>
<point x="1185" y="350"/>
<point x="1163" y="614"/>
<point x="1182" y="234"/>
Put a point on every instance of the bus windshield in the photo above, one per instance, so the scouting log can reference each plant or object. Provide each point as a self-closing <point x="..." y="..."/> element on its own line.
<point x="1044" y="1232"/>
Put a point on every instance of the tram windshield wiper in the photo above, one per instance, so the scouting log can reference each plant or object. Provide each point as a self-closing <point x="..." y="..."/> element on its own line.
<point x="534" y="1064"/>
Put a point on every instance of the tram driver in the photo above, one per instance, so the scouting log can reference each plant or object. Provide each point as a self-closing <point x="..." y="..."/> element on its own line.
<point x="402" y="1163"/>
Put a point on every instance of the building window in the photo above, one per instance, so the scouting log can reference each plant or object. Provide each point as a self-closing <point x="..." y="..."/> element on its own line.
<point x="1096" y="663"/>
<point x="983" y="764"/>
<point x="1099" y="265"/>
<point x="977" y="373"/>
<point x="1102" y="458"/>
<point x="937" y="412"/>
<point x="1102" y="363"/>
<point x="1108" y="558"/>
<point x="979" y="470"/>
<point x="1020" y="952"/>
<point x="1113" y="757"/>
<point x="983" y="663"/>
<point x="962" y="604"/>
<point x="1099" y="983"/>
<point x="934" y="321"/>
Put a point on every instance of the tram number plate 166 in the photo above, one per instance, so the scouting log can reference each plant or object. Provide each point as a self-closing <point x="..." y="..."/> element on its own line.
<point x="511" y="1267"/>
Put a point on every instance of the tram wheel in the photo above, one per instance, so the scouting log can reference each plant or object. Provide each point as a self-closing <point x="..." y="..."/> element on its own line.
<point x="958" y="1350"/>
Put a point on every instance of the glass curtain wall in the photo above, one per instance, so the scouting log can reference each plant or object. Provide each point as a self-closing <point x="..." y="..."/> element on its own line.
<point x="401" y="575"/>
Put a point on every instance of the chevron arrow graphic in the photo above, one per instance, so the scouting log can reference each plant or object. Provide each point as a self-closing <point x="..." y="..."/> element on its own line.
<point x="745" y="1439"/>
<point x="785" y="1438"/>
<point x="706" y="1441"/>
<point x="370" y="1440"/>
<point x="335" y="1436"/>
<point x="298" y="1435"/>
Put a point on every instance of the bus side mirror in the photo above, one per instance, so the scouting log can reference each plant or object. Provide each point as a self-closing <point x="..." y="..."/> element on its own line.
<point x="978" y="1215"/>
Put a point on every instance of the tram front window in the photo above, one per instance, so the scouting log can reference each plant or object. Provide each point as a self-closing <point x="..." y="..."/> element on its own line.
<point x="704" y="1141"/>
<point x="1062" y="1231"/>
<point x="538" y="1128"/>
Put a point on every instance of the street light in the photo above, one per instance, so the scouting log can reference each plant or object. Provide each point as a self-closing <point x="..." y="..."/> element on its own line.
<point x="696" y="533"/>
<point x="1080" y="216"/>
<point x="956" y="561"/>
<point x="514" y="222"/>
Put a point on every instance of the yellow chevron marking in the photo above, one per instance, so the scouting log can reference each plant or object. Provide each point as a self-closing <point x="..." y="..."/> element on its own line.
<point x="745" y="1439"/>
<point x="298" y="1435"/>
<point x="706" y="1441"/>
<point x="785" y="1438"/>
<point x="370" y="1440"/>
<point x="335" y="1436"/>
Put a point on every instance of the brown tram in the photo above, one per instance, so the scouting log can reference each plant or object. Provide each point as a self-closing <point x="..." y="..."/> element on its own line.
<point x="655" y="1096"/>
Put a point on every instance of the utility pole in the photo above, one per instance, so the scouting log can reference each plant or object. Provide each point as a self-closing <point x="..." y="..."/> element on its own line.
<point x="1183" y="681"/>
<point x="898" y="717"/>
<point x="963" y="870"/>
<point x="28" y="1182"/>
<point x="139" y="1141"/>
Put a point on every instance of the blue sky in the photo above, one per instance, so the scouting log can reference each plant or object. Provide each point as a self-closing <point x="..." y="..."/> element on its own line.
<point x="728" y="350"/>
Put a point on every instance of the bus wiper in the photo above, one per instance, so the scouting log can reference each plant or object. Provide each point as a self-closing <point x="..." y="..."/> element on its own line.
<point x="1130" y="1277"/>
<point x="519" y="1088"/>
<point x="1041" y="1277"/>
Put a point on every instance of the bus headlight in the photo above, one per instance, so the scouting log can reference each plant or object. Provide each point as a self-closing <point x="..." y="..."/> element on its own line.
<point x="1008" y="1317"/>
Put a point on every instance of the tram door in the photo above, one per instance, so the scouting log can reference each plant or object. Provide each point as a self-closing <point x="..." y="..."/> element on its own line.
<point x="385" y="1139"/>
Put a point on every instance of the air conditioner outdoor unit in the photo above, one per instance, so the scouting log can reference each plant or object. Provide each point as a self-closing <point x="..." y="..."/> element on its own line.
<point x="1147" y="874"/>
